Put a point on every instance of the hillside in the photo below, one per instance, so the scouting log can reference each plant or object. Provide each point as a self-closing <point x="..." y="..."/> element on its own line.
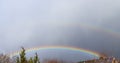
<point x="102" y="60"/>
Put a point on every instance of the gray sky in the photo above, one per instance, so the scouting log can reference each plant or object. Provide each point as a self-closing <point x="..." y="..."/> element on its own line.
<point x="89" y="24"/>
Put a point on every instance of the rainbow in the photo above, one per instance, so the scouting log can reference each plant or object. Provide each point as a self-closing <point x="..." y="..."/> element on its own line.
<point x="85" y="25"/>
<point x="112" y="32"/>
<point x="58" y="47"/>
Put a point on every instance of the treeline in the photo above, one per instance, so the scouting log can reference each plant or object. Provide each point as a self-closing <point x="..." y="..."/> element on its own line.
<point x="23" y="59"/>
<point x="19" y="59"/>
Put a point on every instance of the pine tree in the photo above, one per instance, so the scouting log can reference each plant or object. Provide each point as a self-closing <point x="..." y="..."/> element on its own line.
<point x="36" y="59"/>
<point x="22" y="56"/>
<point x="17" y="60"/>
<point x="31" y="60"/>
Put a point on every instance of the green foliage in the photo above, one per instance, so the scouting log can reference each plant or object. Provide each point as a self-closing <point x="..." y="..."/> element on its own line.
<point x="22" y="58"/>
<point x="31" y="60"/>
<point x="17" y="60"/>
<point x="36" y="59"/>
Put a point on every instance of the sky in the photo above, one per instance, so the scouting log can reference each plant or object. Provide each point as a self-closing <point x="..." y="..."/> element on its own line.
<point x="88" y="24"/>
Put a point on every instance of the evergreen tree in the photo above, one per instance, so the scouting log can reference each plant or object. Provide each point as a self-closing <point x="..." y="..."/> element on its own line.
<point x="22" y="56"/>
<point x="36" y="59"/>
<point x="17" y="60"/>
<point x="31" y="60"/>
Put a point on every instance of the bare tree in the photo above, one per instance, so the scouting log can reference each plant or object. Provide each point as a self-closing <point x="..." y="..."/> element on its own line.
<point x="5" y="59"/>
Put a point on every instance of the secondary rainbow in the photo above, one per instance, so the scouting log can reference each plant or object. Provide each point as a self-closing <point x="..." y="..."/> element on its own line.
<point x="97" y="55"/>
<point x="112" y="32"/>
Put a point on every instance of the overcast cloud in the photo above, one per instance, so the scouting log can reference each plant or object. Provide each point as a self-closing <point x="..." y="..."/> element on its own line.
<point x="81" y="23"/>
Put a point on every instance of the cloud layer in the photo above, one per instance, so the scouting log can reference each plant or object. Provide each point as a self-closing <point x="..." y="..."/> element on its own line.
<point x="78" y="23"/>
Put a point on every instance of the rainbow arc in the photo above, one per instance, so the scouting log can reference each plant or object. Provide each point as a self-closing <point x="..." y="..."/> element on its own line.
<point x="97" y="55"/>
